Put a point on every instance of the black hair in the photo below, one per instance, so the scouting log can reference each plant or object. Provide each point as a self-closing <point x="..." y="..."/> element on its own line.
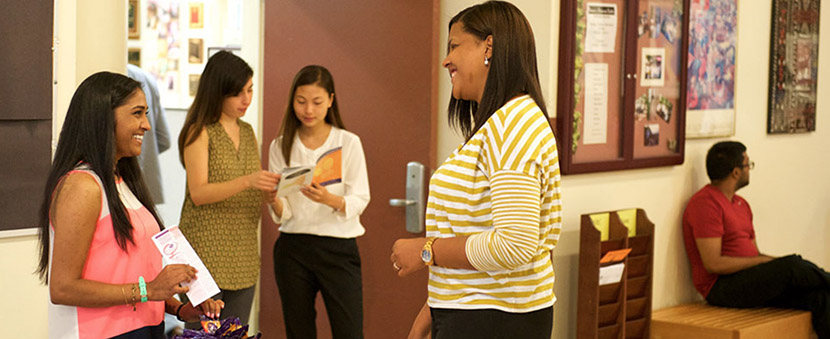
<point x="308" y="75"/>
<point x="88" y="136"/>
<point x="513" y="69"/>
<point x="722" y="158"/>
<point x="225" y="75"/>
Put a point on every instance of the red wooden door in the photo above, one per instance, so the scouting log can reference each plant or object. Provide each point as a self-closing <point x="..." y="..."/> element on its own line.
<point x="384" y="57"/>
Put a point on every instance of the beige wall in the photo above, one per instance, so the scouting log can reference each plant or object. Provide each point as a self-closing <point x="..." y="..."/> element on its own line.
<point x="789" y="190"/>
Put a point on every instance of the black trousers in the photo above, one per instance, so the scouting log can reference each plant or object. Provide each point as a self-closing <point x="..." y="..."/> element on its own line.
<point x="786" y="282"/>
<point x="146" y="332"/>
<point x="307" y="264"/>
<point x="459" y="324"/>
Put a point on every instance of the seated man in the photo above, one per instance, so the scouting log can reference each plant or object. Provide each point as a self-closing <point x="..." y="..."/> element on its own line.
<point x="727" y="267"/>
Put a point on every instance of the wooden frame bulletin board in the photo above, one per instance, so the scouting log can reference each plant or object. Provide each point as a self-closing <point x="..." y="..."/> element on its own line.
<point x="620" y="107"/>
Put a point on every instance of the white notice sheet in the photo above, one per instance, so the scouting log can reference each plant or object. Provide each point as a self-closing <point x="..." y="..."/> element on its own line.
<point x="595" y="126"/>
<point x="176" y="250"/>
<point x="611" y="274"/>
<point x="601" y="30"/>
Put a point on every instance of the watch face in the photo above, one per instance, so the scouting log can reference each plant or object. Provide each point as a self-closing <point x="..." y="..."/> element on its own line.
<point x="426" y="256"/>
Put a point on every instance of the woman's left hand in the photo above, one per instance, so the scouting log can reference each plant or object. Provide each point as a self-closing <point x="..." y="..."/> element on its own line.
<point x="210" y="308"/>
<point x="406" y="255"/>
<point x="317" y="193"/>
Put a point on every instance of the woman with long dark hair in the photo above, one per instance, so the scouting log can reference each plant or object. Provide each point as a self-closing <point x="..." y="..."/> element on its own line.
<point x="317" y="248"/>
<point x="105" y="275"/>
<point x="221" y="212"/>
<point x="494" y="211"/>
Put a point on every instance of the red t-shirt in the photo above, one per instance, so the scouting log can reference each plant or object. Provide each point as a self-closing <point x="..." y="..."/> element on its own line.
<point x="710" y="215"/>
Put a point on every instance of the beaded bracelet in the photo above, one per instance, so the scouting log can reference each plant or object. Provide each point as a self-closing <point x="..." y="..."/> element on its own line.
<point x="143" y="287"/>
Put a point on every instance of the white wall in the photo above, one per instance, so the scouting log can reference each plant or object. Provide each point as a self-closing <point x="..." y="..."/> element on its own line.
<point x="789" y="189"/>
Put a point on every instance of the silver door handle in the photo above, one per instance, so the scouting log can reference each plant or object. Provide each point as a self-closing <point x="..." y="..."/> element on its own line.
<point x="401" y="202"/>
<point x="414" y="202"/>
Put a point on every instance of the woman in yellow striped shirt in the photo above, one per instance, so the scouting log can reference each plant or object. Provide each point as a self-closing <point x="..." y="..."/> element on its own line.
<point x="493" y="216"/>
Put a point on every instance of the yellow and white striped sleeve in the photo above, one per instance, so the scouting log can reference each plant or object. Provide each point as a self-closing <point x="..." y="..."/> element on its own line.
<point x="514" y="239"/>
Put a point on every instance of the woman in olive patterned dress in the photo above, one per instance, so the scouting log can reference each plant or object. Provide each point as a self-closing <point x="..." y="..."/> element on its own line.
<point x="225" y="181"/>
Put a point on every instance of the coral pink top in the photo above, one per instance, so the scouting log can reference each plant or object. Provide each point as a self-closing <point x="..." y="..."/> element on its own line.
<point x="107" y="262"/>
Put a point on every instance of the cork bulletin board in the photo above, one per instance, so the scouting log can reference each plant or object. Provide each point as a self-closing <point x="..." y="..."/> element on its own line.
<point x="621" y="100"/>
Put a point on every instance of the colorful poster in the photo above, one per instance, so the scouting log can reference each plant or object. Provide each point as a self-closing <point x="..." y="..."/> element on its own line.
<point x="710" y="87"/>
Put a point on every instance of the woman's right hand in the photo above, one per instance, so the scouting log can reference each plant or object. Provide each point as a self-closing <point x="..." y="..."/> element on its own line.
<point x="263" y="180"/>
<point x="271" y="195"/>
<point x="168" y="282"/>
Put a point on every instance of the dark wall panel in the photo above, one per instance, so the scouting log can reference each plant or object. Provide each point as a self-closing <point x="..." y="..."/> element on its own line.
<point x="26" y="60"/>
<point x="24" y="170"/>
<point x="25" y="109"/>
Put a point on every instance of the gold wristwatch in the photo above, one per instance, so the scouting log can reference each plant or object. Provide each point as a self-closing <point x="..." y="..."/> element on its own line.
<point x="426" y="253"/>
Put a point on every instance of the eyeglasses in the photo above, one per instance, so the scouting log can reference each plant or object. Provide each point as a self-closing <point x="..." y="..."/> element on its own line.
<point x="751" y="165"/>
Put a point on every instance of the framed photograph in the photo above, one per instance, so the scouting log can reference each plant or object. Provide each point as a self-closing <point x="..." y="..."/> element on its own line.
<point x="195" y="49"/>
<point x="651" y="135"/>
<point x="197" y="15"/>
<point x="652" y="67"/>
<point x="134" y="56"/>
<point x="236" y="50"/>
<point x="194" y="84"/>
<point x="133" y="26"/>
<point x="710" y="84"/>
<point x="793" y="66"/>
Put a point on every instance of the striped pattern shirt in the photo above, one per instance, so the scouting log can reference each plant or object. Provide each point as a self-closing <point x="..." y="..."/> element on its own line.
<point x="501" y="189"/>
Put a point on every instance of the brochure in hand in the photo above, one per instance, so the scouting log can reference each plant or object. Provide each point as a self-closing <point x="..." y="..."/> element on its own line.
<point x="175" y="248"/>
<point x="327" y="171"/>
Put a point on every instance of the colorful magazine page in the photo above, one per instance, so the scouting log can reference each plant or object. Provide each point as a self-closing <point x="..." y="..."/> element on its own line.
<point x="294" y="178"/>
<point x="329" y="167"/>
<point x="329" y="170"/>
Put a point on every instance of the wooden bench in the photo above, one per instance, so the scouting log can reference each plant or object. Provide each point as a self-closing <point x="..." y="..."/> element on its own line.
<point x="702" y="321"/>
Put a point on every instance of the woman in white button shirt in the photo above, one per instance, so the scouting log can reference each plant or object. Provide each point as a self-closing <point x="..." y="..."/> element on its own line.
<point x="316" y="250"/>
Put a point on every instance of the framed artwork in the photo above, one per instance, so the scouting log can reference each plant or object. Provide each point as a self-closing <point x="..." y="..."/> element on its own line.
<point x="710" y="85"/>
<point x="134" y="56"/>
<point x="621" y="93"/>
<point x="236" y="50"/>
<point x="195" y="49"/>
<point x="793" y="66"/>
<point x="197" y="15"/>
<point x="194" y="84"/>
<point x="133" y="26"/>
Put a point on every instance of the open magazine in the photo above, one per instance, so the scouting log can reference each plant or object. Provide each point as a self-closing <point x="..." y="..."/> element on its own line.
<point x="328" y="170"/>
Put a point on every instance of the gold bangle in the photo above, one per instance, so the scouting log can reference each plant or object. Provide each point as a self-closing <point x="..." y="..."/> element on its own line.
<point x="133" y="287"/>
<point x="342" y="204"/>
<point x="126" y="301"/>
